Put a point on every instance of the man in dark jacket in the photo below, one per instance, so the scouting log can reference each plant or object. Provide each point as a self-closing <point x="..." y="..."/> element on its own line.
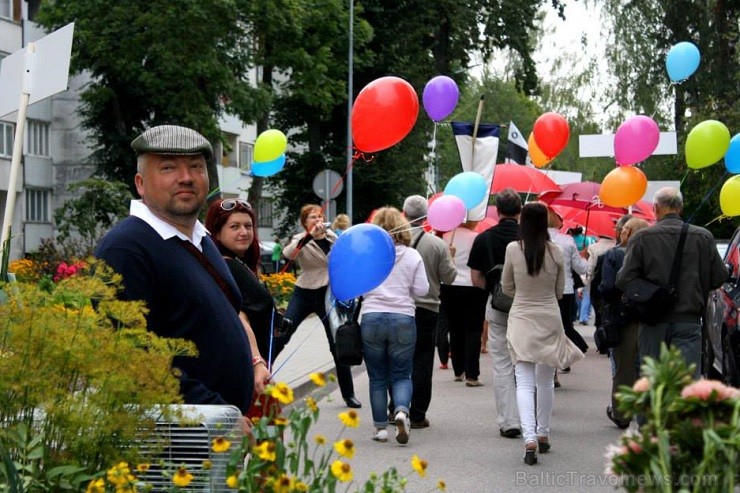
<point x="488" y="250"/>
<point x="650" y="255"/>
<point x="167" y="260"/>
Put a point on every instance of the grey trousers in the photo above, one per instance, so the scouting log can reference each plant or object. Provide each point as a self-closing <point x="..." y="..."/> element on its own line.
<point x="685" y="336"/>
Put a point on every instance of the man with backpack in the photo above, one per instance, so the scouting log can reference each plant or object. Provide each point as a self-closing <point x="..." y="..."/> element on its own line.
<point x="487" y="252"/>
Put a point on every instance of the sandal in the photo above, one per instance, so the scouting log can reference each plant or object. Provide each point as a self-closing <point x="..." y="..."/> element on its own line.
<point x="543" y="444"/>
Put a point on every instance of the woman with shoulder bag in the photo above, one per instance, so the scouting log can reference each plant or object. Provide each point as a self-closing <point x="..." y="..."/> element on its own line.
<point x="232" y="225"/>
<point x="534" y="276"/>
<point x="388" y="328"/>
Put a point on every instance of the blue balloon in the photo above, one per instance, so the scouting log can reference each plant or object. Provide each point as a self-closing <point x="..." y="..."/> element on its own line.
<point x="360" y="260"/>
<point x="268" y="168"/>
<point x="468" y="186"/>
<point x="732" y="156"/>
<point x="682" y="61"/>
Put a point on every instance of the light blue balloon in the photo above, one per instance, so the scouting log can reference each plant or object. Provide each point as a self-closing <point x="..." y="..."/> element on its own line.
<point x="682" y="61"/>
<point x="360" y="260"/>
<point x="268" y="168"/>
<point x="732" y="156"/>
<point x="468" y="186"/>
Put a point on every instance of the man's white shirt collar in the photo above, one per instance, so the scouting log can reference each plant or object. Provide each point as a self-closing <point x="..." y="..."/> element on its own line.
<point x="164" y="229"/>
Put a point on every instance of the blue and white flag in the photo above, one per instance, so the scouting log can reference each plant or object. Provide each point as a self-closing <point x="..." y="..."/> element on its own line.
<point x="480" y="159"/>
<point x="517" y="149"/>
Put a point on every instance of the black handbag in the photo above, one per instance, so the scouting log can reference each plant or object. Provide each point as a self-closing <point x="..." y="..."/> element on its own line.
<point x="348" y="340"/>
<point x="649" y="302"/>
<point x="499" y="300"/>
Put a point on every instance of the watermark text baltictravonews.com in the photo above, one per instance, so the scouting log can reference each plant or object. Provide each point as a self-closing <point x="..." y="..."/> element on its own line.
<point x="579" y="479"/>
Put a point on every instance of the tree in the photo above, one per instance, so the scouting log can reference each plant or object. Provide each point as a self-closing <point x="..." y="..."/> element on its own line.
<point x="85" y="219"/>
<point x="154" y="62"/>
<point x="642" y="32"/>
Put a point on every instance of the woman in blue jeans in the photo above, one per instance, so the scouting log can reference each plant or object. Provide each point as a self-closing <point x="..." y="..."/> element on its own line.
<point x="389" y="330"/>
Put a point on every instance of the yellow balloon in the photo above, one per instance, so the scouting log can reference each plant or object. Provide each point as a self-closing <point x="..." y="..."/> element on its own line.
<point x="535" y="154"/>
<point x="706" y="144"/>
<point x="623" y="186"/>
<point x="729" y="196"/>
<point x="269" y="145"/>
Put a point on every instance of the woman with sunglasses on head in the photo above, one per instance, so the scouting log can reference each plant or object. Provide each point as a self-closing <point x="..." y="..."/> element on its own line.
<point x="310" y="249"/>
<point x="533" y="275"/>
<point x="233" y="227"/>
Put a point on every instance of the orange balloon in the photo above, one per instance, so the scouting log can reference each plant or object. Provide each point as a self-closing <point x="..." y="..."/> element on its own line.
<point x="535" y="154"/>
<point x="623" y="186"/>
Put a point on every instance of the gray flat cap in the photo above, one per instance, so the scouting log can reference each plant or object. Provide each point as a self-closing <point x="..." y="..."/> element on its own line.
<point x="172" y="139"/>
<point x="415" y="206"/>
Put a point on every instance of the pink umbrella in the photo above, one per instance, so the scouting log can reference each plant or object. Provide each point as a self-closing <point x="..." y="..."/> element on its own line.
<point x="522" y="179"/>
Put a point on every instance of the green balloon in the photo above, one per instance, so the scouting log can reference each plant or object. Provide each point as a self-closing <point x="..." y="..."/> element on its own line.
<point x="729" y="197"/>
<point x="706" y="144"/>
<point x="269" y="145"/>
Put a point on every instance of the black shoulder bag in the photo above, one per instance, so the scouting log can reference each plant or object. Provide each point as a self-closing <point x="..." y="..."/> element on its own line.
<point x="649" y="302"/>
<point x="348" y="340"/>
<point x="499" y="301"/>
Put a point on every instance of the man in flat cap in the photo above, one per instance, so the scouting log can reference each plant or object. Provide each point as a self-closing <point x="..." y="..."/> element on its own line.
<point x="167" y="260"/>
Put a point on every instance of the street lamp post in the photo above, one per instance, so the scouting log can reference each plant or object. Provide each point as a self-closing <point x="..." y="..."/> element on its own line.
<point x="349" y="108"/>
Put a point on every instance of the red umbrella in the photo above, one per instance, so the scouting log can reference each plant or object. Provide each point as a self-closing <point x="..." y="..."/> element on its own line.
<point x="594" y="222"/>
<point x="485" y="223"/>
<point x="522" y="179"/>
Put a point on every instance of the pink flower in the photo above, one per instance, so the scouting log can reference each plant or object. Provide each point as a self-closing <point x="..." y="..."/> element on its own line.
<point x="642" y="385"/>
<point x="705" y="390"/>
<point x="634" y="446"/>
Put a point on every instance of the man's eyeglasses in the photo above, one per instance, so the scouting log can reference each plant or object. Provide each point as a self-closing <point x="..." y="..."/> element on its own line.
<point x="230" y="204"/>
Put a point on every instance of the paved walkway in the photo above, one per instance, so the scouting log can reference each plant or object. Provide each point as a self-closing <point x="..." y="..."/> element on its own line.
<point x="463" y="445"/>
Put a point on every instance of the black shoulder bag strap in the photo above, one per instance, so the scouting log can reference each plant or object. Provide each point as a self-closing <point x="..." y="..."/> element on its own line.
<point x="203" y="260"/>
<point x="678" y="258"/>
<point x="418" y="239"/>
<point x="356" y="315"/>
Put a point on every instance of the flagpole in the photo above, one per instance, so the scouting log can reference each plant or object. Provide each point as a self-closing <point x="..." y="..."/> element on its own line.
<point x="475" y="128"/>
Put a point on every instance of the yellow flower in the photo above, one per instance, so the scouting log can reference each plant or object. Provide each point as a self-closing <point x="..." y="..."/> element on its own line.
<point x="441" y="485"/>
<point x="284" y="484"/>
<point x="282" y="393"/>
<point x="141" y="468"/>
<point x="182" y="478"/>
<point x="207" y="465"/>
<point x="300" y="486"/>
<point x="232" y="482"/>
<point x="320" y="439"/>
<point x="345" y="448"/>
<point x="120" y="475"/>
<point x="265" y="451"/>
<point x="318" y="379"/>
<point x="350" y="419"/>
<point x="96" y="486"/>
<point x="342" y="471"/>
<point x="311" y="403"/>
<point x="280" y="421"/>
<point x="220" y="444"/>
<point x="419" y="465"/>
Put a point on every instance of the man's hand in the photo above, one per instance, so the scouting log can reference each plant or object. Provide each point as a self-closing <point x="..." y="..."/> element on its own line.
<point x="261" y="378"/>
<point x="246" y="425"/>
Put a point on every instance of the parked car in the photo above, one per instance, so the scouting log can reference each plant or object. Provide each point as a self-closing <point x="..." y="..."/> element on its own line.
<point x="721" y="337"/>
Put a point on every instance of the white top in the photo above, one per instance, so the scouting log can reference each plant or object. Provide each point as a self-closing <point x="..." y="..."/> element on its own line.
<point x="463" y="242"/>
<point x="396" y="294"/>
<point x="164" y="229"/>
<point x="572" y="260"/>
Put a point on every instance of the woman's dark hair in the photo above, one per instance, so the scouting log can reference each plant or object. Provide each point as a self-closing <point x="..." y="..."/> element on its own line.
<point x="216" y="217"/>
<point x="534" y="236"/>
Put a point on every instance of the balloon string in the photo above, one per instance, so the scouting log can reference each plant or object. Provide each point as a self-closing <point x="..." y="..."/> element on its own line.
<point x="706" y="197"/>
<point x="718" y="218"/>
<point x="684" y="178"/>
<point x="433" y="164"/>
<point x="217" y="190"/>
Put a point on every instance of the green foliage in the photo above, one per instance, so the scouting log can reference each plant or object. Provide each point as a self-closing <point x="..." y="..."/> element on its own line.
<point x="98" y="205"/>
<point x="691" y="438"/>
<point x="80" y="375"/>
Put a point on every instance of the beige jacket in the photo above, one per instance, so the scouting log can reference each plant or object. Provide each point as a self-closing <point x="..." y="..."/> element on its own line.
<point x="311" y="259"/>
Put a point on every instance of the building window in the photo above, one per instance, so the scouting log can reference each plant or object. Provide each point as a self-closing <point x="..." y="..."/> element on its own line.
<point x="228" y="150"/>
<point x="6" y="9"/>
<point x="264" y="217"/>
<point x="37" y="138"/>
<point x="37" y="205"/>
<point x="246" y="155"/>
<point x="6" y="139"/>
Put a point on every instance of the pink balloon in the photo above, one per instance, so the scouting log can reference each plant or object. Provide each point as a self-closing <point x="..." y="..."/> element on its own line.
<point x="635" y="140"/>
<point x="446" y="213"/>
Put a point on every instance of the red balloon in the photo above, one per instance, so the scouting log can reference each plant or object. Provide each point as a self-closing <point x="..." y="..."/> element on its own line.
<point x="383" y="114"/>
<point x="551" y="132"/>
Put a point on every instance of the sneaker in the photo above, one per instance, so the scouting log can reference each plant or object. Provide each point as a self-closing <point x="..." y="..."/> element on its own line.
<point x="381" y="436"/>
<point x="459" y="378"/>
<point x="510" y="433"/>
<point x="474" y="383"/>
<point x="443" y="366"/>
<point x="403" y="427"/>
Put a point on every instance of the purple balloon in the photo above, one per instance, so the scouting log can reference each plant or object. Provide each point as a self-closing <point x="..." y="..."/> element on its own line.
<point x="635" y="140"/>
<point x="440" y="97"/>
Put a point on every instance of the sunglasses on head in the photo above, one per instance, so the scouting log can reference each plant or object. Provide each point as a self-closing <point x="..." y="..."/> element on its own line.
<point x="230" y="204"/>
